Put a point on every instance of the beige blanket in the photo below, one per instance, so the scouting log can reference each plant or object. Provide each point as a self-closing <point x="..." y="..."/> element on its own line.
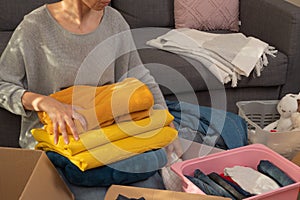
<point x="227" y="56"/>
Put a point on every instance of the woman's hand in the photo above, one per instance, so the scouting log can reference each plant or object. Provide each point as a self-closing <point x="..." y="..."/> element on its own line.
<point x="61" y="115"/>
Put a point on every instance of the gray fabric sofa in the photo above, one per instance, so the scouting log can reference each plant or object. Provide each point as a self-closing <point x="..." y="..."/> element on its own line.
<point x="276" y="22"/>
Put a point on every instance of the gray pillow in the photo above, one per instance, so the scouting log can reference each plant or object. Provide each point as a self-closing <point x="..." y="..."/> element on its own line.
<point x="13" y="11"/>
<point x="146" y="13"/>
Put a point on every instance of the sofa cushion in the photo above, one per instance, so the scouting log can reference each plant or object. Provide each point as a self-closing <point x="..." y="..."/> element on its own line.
<point x="9" y="129"/>
<point x="181" y="74"/>
<point x="13" y="11"/>
<point x="207" y="14"/>
<point x="5" y="36"/>
<point x="146" y="13"/>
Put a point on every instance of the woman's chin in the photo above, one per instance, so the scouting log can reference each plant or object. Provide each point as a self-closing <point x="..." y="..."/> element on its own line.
<point x="100" y="6"/>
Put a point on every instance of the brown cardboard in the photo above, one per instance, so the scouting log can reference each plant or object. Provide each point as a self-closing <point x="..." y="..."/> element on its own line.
<point x="154" y="194"/>
<point x="295" y="2"/>
<point x="29" y="175"/>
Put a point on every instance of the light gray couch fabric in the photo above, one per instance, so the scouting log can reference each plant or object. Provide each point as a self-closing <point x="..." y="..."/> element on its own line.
<point x="146" y="13"/>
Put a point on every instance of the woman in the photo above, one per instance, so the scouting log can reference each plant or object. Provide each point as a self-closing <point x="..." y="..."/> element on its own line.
<point x="44" y="56"/>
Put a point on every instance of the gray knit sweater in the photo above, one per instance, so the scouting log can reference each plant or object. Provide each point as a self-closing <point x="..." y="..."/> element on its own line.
<point x="44" y="58"/>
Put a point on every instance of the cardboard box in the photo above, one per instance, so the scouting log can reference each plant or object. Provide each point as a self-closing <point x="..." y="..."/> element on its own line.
<point x="29" y="174"/>
<point x="154" y="194"/>
<point x="295" y="2"/>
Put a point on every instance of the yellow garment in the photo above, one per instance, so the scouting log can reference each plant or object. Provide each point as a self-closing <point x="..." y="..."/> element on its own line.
<point x="94" y="138"/>
<point x="117" y="150"/>
<point x="101" y="106"/>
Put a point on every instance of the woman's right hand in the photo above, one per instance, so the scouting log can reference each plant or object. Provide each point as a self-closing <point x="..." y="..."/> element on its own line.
<point x="61" y="115"/>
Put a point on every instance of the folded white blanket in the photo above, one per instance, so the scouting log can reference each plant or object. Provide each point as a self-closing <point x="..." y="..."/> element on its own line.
<point x="227" y="56"/>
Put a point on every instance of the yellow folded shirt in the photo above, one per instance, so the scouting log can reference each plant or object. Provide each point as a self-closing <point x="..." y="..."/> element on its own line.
<point x="101" y="106"/>
<point x="94" y="138"/>
<point x="118" y="150"/>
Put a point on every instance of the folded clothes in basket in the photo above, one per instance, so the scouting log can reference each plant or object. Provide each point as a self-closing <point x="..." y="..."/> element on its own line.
<point x="203" y="177"/>
<point x="271" y="170"/>
<point x="239" y="182"/>
<point x="251" y="180"/>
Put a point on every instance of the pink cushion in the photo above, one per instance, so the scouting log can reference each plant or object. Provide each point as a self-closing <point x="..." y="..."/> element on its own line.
<point x="207" y="14"/>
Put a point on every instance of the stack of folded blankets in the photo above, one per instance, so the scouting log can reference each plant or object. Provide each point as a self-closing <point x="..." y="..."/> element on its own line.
<point x="120" y="124"/>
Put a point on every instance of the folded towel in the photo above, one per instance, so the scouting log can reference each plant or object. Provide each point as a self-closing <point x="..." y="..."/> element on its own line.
<point x="104" y="105"/>
<point x="97" y="137"/>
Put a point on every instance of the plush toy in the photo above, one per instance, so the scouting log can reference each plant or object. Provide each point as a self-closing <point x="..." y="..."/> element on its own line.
<point x="296" y="121"/>
<point x="286" y="107"/>
<point x="296" y="118"/>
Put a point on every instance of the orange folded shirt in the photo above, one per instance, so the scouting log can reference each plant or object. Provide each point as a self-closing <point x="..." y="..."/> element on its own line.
<point x="102" y="106"/>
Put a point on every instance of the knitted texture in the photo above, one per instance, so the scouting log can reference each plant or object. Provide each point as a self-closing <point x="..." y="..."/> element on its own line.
<point x="207" y="14"/>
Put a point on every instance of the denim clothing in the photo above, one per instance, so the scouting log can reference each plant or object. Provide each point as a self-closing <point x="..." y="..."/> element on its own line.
<point x="238" y="188"/>
<point x="122" y="197"/>
<point x="93" y="193"/>
<point x="136" y="168"/>
<point x="207" y="189"/>
<point x="196" y="136"/>
<point x="251" y="180"/>
<point x="202" y="177"/>
<point x="210" y="121"/>
<point x="219" y="180"/>
<point x="272" y="171"/>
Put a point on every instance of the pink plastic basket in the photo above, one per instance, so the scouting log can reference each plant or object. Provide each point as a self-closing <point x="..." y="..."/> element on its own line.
<point x="249" y="156"/>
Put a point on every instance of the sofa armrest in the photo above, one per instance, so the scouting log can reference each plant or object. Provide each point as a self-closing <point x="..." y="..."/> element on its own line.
<point x="276" y="22"/>
<point x="10" y="125"/>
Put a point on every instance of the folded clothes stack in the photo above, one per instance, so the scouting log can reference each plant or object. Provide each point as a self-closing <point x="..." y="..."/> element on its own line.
<point x="133" y="169"/>
<point x="120" y="125"/>
<point x="239" y="182"/>
<point x="105" y="105"/>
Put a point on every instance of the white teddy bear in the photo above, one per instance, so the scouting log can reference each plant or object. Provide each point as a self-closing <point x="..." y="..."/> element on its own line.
<point x="296" y="121"/>
<point x="286" y="107"/>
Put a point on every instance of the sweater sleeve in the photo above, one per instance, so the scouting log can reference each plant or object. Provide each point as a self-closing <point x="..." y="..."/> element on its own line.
<point x="12" y="75"/>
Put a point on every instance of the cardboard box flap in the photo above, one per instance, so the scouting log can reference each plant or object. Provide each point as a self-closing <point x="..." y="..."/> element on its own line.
<point x="42" y="178"/>
<point x="16" y="167"/>
<point x="154" y="194"/>
<point x="29" y="174"/>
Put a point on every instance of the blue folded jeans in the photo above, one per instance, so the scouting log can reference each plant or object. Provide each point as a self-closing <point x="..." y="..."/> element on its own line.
<point x="272" y="171"/>
<point x="220" y="190"/>
<point x="212" y="122"/>
<point x="136" y="168"/>
<point x="206" y="188"/>
<point x="219" y="180"/>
